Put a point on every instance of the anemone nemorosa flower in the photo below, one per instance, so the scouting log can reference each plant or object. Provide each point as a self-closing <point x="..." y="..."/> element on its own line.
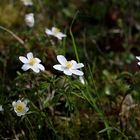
<point x="31" y="63"/>
<point x="29" y="20"/>
<point x="55" y="32"/>
<point x="27" y="2"/>
<point x="20" y="107"/>
<point x="68" y="67"/>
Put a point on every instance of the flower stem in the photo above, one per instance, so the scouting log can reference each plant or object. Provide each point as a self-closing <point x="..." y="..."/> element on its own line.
<point x="72" y="37"/>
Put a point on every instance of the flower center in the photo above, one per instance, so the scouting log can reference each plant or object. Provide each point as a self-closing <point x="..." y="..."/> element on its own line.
<point x="69" y="64"/>
<point x="20" y="107"/>
<point x="56" y="30"/>
<point x="32" y="61"/>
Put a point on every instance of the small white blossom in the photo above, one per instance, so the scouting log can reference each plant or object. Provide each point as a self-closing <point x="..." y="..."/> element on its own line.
<point x="31" y="63"/>
<point x="138" y="57"/>
<point x="68" y="67"/>
<point x="27" y="2"/>
<point x="20" y="107"/>
<point x="81" y="78"/>
<point x="1" y="108"/>
<point x="55" y="32"/>
<point x="29" y="20"/>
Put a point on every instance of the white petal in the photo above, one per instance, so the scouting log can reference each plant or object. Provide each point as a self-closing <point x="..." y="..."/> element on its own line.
<point x="67" y="72"/>
<point x="26" y="101"/>
<point x="19" y="101"/>
<point x="77" y="72"/>
<point x="19" y="114"/>
<point x="62" y="60"/>
<point x="49" y="32"/>
<point x="23" y="59"/>
<point x="35" y="69"/>
<point x="26" y="109"/>
<point x="73" y="62"/>
<point x="38" y="60"/>
<point x="55" y="30"/>
<point x="61" y="34"/>
<point x="14" y="104"/>
<point x="41" y="67"/>
<point x="30" y="55"/>
<point x="24" y="112"/>
<point x="138" y="63"/>
<point x="79" y="65"/>
<point x="58" y="67"/>
<point x="138" y="57"/>
<point x="59" y="37"/>
<point x="25" y="67"/>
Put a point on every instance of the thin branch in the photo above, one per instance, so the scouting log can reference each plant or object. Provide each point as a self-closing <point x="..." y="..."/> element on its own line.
<point x="14" y="35"/>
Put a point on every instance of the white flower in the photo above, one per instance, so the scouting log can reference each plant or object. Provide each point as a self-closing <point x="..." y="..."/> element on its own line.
<point x="1" y="108"/>
<point x="20" y="107"/>
<point x="68" y="67"/>
<point x="27" y="2"/>
<point x="138" y="57"/>
<point x="31" y="63"/>
<point x="55" y="32"/>
<point x="29" y="20"/>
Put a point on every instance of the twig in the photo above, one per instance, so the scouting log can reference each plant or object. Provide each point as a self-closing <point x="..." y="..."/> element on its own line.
<point x="14" y="35"/>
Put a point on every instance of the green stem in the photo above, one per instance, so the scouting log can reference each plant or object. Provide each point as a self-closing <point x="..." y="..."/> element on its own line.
<point x="101" y="114"/>
<point x="73" y="40"/>
<point x="74" y="46"/>
<point x="30" y="130"/>
<point x="64" y="45"/>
